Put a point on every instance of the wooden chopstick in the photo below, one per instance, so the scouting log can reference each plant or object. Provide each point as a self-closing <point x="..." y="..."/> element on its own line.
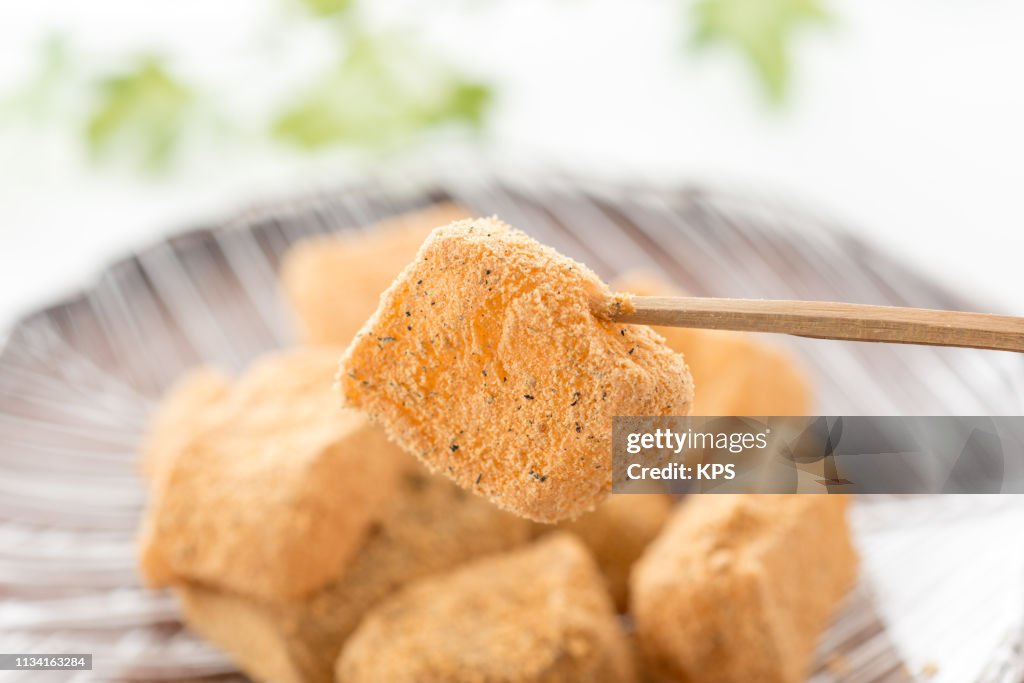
<point x="829" y="320"/>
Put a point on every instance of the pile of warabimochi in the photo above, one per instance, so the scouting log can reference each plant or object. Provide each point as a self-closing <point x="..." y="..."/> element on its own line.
<point x="420" y="491"/>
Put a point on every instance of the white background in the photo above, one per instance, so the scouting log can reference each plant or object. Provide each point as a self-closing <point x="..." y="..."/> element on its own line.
<point x="905" y="122"/>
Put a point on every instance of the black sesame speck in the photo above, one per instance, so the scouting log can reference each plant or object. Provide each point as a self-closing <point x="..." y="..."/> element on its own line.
<point x="575" y="398"/>
<point x="454" y="447"/>
<point x="632" y="350"/>
<point x="528" y="397"/>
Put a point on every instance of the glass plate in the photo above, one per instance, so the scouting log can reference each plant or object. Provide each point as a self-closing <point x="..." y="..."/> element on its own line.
<point x="78" y="379"/>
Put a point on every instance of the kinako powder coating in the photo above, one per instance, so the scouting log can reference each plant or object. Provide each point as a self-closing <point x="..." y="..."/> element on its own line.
<point x="738" y="588"/>
<point x="264" y="487"/>
<point x="485" y="359"/>
<point x="537" y="614"/>
<point x="320" y="272"/>
<point x="429" y="527"/>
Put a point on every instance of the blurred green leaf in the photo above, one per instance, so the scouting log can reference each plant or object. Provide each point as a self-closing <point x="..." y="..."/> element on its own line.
<point x="383" y="91"/>
<point x="761" y="30"/>
<point x="37" y="97"/>
<point x="326" y="8"/>
<point x="140" y="113"/>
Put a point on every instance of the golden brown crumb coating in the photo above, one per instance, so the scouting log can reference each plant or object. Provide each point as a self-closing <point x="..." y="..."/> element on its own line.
<point x="485" y="360"/>
<point x="431" y="526"/>
<point x="539" y="613"/>
<point x="175" y="419"/>
<point x="738" y="588"/>
<point x="275" y="491"/>
<point x="333" y="282"/>
<point x="734" y="373"/>
<point x="617" y="533"/>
